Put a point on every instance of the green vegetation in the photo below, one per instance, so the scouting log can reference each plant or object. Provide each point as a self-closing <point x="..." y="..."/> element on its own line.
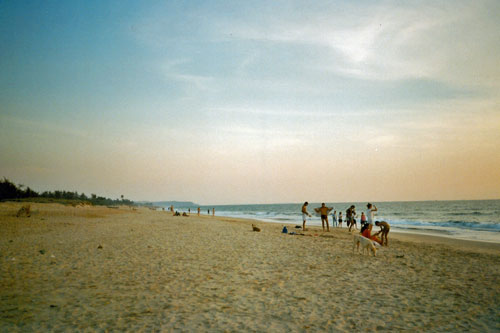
<point x="9" y="191"/>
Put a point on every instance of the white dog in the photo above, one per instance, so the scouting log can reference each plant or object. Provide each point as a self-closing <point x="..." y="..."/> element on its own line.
<point x="366" y="244"/>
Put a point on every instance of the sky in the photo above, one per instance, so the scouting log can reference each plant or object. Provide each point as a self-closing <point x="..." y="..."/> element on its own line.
<point x="234" y="102"/>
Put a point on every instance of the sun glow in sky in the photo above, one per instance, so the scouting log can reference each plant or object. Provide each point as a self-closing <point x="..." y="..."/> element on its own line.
<point x="222" y="102"/>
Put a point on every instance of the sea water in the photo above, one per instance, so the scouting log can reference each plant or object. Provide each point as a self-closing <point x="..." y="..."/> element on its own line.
<point x="472" y="219"/>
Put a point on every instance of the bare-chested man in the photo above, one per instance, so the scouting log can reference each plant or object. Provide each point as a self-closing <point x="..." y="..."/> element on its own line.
<point x="384" y="230"/>
<point x="324" y="211"/>
<point x="305" y="214"/>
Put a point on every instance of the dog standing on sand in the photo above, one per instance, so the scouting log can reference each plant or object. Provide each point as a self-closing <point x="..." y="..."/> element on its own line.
<point x="366" y="244"/>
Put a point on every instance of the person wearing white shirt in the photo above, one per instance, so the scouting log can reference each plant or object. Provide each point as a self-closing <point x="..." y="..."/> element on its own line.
<point x="370" y="212"/>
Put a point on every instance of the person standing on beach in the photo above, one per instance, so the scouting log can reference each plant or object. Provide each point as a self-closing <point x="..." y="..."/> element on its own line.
<point x="172" y="209"/>
<point x="370" y="212"/>
<point x="324" y="211"/>
<point x="363" y="219"/>
<point x="349" y="214"/>
<point x="199" y="210"/>
<point x="384" y="231"/>
<point x="305" y="213"/>
<point x="340" y="219"/>
<point x="334" y="219"/>
<point x="213" y="211"/>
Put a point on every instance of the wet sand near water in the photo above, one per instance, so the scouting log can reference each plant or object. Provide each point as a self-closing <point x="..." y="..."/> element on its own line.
<point x="97" y="269"/>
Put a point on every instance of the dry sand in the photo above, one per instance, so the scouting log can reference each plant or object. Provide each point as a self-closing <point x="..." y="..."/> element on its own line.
<point x="156" y="272"/>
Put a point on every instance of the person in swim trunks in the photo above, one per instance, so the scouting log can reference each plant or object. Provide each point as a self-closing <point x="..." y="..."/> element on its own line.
<point x="324" y="211"/>
<point x="384" y="230"/>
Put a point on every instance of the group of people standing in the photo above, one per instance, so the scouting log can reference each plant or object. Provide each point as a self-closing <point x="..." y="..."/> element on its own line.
<point x="367" y="220"/>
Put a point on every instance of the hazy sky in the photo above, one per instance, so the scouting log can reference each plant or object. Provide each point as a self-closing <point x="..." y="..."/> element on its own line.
<point x="252" y="101"/>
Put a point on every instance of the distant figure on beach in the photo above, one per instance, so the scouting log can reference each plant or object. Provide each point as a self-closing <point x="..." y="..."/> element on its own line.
<point x="324" y="211"/>
<point x="208" y="211"/>
<point x="305" y="214"/>
<point x="172" y="209"/>
<point x="213" y="211"/>
<point x="199" y="210"/>
<point x="189" y="211"/>
<point x="363" y="219"/>
<point x="349" y="215"/>
<point x="340" y="219"/>
<point x="370" y="212"/>
<point x="353" y="223"/>
<point x="334" y="219"/>
<point x="384" y="231"/>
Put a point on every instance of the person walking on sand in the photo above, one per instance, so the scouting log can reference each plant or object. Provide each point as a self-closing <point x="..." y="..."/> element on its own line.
<point x="324" y="211"/>
<point x="305" y="214"/>
<point x="384" y="231"/>
<point x="370" y="212"/>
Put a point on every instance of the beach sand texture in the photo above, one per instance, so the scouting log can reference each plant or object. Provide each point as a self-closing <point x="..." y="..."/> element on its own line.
<point x="98" y="269"/>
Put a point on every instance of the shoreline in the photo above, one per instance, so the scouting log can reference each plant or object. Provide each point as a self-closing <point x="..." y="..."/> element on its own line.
<point x="394" y="230"/>
<point x="457" y="243"/>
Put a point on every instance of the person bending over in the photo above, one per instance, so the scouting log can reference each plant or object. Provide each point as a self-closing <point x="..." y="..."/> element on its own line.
<point x="384" y="231"/>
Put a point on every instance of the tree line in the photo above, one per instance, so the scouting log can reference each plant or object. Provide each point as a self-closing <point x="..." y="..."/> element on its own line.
<point x="9" y="190"/>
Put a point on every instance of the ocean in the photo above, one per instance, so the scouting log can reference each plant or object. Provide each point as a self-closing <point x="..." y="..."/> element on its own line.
<point x="472" y="219"/>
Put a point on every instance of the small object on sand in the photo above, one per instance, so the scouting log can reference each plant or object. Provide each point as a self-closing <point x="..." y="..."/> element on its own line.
<point x="42" y="251"/>
<point x="25" y="210"/>
<point x="53" y="306"/>
<point x="298" y="227"/>
<point x="99" y="247"/>
<point x="400" y="256"/>
<point x="254" y="228"/>
<point x="285" y="230"/>
<point x="184" y="214"/>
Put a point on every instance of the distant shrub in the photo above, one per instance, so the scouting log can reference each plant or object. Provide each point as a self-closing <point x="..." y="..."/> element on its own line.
<point x="9" y="191"/>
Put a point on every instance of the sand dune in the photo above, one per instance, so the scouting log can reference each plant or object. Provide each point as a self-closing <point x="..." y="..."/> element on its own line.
<point x="91" y="268"/>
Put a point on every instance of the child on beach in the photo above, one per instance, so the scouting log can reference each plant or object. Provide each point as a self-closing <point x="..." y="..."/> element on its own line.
<point x="334" y="219"/>
<point x="340" y="219"/>
<point x="363" y="219"/>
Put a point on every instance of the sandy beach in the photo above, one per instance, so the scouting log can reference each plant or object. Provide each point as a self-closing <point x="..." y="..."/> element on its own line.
<point x="102" y="269"/>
